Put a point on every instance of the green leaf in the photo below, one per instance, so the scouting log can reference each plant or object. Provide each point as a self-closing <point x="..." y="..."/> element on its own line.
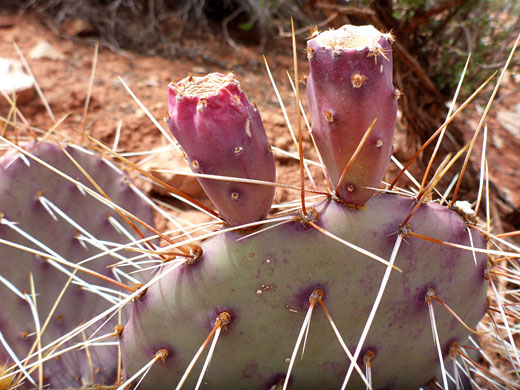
<point x="247" y="26"/>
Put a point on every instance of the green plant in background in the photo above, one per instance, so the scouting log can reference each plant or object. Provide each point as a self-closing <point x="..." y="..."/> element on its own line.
<point x="444" y="33"/>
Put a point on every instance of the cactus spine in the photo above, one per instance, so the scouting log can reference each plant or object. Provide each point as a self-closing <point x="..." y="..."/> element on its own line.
<point x="61" y="223"/>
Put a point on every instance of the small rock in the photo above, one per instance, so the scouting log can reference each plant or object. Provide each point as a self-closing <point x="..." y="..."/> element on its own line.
<point x="159" y="106"/>
<point x="140" y="114"/>
<point x="14" y="79"/>
<point x="510" y="120"/>
<point x="171" y="161"/>
<point x="78" y="27"/>
<point x="497" y="141"/>
<point x="44" y="49"/>
<point x="199" y="70"/>
<point x="152" y="81"/>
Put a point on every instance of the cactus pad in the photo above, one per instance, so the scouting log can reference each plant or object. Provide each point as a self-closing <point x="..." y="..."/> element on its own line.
<point x="264" y="282"/>
<point x="32" y="199"/>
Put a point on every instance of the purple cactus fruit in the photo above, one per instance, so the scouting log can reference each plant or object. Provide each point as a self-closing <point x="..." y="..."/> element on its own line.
<point x="348" y="87"/>
<point x="265" y="281"/>
<point x="222" y="134"/>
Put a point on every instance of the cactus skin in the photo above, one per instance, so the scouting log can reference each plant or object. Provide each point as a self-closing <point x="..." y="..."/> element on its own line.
<point x="259" y="278"/>
<point x="222" y="134"/>
<point x="20" y="186"/>
<point x="350" y="85"/>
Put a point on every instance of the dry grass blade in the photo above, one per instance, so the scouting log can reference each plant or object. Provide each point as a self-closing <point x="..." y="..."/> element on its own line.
<point x="90" y="85"/>
<point x="53" y="128"/>
<point x="36" y="85"/>
<point x="7" y="380"/>
<point x="14" y="111"/>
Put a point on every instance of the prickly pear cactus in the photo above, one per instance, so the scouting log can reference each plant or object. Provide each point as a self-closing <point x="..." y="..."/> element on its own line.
<point x="345" y="292"/>
<point x="366" y="276"/>
<point x="60" y="223"/>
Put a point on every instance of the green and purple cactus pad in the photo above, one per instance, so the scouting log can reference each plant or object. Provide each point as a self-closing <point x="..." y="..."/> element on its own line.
<point x="222" y="134"/>
<point x="348" y="87"/>
<point x="264" y="282"/>
<point x="27" y="190"/>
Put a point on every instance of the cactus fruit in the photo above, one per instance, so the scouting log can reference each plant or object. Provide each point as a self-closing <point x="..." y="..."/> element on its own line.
<point x="222" y="134"/>
<point x="348" y="87"/>
<point x="44" y="211"/>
